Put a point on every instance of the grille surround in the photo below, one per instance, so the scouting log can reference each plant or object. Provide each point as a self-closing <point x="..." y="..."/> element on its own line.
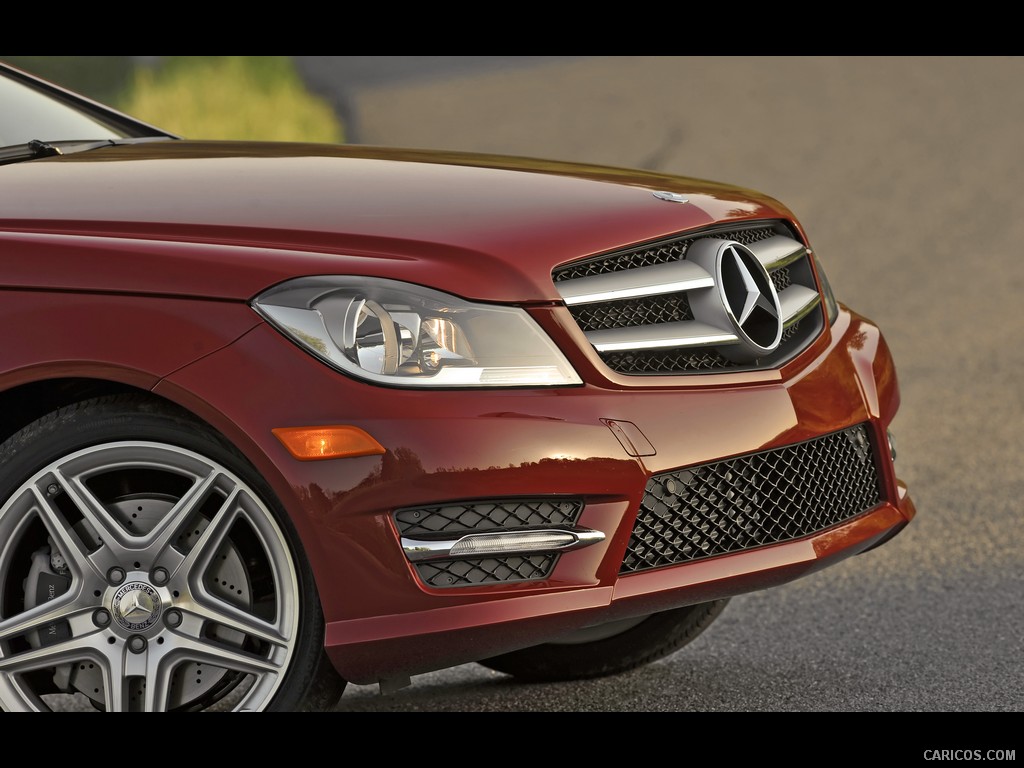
<point x="754" y="500"/>
<point x="689" y="345"/>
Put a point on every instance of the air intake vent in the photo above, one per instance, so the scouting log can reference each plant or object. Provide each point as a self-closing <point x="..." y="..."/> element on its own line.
<point x="753" y="500"/>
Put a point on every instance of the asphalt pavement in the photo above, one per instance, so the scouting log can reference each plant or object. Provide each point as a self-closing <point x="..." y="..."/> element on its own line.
<point x="907" y="174"/>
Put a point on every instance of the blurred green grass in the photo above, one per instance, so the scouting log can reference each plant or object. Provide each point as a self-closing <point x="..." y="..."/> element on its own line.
<point x="200" y="97"/>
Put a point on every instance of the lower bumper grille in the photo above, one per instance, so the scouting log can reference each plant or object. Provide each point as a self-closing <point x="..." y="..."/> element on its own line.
<point x="753" y="500"/>
<point x="467" y="573"/>
<point x="442" y="521"/>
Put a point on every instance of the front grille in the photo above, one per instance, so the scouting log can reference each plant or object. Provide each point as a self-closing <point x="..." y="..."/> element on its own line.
<point x="643" y="361"/>
<point x="622" y="314"/>
<point x="677" y="361"/>
<point x="443" y="520"/>
<point x="659" y="253"/>
<point x="609" y="306"/>
<point x="753" y="500"/>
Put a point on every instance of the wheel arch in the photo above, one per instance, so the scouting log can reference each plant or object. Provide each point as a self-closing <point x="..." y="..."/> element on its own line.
<point x="23" y="403"/>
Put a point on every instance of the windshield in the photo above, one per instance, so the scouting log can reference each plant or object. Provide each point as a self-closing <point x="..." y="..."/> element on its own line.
<point x="29" y="114"/>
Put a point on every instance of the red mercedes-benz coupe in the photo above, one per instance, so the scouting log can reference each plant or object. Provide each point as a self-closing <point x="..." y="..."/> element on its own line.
<point x="278" y="416"/>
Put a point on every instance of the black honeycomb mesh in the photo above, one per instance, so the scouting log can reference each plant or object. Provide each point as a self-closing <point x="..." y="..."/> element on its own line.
<point x="464" y="573"/>
<point x="650" y="310"/>
<point x="667" y="361"/>
<point x="442" y="520"/>
<point x="485" y="515"/>
<point x="781" y="279"/>
<point x="656" y="253"/>
<point x="753" y="500"/>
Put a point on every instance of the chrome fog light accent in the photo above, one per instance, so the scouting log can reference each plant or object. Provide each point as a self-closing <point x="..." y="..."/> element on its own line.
<point x="503" y="543"/>
<point x="892" y="443"/>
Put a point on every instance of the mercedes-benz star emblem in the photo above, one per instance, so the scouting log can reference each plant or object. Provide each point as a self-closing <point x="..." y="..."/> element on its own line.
<point x="745" y="302"/>
<point x="136" y="606"/>
<point x="749" y="296"/>
<point x="671" y="197"/>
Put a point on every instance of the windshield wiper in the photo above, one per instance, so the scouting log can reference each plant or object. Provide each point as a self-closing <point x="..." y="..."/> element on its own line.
<point x="36" y="149"/>
<point x="29" y="151"/>
<point x="43" y="149"/>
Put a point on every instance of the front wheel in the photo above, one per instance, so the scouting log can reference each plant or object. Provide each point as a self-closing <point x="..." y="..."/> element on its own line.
<point x="144" y="565"/>
<point x="609" y="649"/>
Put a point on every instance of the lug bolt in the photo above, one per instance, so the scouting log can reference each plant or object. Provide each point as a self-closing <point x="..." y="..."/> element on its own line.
<point x="101" y="617"/>
<point x="53" y="489"/>
<point x="159" y="576"/>
<point x="173" y="618"/>
<point x="136" y="643"/>
<point x="116" y="575"/>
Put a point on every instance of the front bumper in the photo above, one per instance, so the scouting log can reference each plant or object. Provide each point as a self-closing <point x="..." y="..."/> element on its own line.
<point x="383" y="621"/>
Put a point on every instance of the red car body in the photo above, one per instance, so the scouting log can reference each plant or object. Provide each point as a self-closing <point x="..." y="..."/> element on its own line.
<point x="135" y="268"/>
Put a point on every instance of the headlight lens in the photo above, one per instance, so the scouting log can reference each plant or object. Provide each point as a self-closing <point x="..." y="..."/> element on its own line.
<point x="831" y="307"/>
<point x="396" y="333"/>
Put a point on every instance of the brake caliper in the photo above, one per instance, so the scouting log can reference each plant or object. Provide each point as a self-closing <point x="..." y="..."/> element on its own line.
<point x="48" y="578"/>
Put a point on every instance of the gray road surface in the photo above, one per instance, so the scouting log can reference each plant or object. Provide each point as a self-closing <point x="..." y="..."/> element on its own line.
<point x="908" y="175"/>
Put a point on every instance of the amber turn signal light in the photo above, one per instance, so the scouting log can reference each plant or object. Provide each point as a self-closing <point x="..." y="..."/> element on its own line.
<point x="337" y="442"/>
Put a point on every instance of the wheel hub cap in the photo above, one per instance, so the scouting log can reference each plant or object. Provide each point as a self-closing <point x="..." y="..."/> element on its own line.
<point x="136" y="606"/>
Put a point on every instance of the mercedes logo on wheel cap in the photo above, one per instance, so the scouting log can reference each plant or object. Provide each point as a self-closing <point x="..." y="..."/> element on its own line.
<point x="745" y="302"/>
<point x="136" y="606"/>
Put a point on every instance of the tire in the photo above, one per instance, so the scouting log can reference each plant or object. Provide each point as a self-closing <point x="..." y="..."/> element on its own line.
<point x="609" y="649"/>
<point x="145" y="565"/>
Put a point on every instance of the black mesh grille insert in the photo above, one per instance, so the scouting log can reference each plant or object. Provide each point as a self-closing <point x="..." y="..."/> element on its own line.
<point x="649" y="310"/>
<point x="655" y="253"/>
<point x="442" y="521"/>
<point x="754" y="500"/>
<point x="485" y="515"/>
<point x="465" y="573"/>
<point x="781" y="279"/>
<point x="666" y="361"/>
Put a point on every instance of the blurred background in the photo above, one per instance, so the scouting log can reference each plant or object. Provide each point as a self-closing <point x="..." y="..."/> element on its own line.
<point x="210" y="97"/>
<point x="906" y="173"/>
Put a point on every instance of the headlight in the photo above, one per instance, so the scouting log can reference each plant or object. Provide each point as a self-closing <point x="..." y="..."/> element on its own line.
<point x="405" y="335"/>
<point x="831" y="307"/>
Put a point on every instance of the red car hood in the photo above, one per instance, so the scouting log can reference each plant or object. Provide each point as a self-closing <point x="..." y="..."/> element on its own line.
<point x="227" y="220"/>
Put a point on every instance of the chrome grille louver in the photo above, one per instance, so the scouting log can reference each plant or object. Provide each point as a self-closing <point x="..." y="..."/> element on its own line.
<point x="666" y="307"/>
